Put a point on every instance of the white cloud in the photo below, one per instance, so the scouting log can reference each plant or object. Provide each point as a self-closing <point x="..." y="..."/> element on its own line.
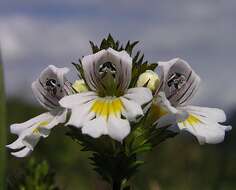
<point x="201" y="32"/>
<point x="23" y="37"/>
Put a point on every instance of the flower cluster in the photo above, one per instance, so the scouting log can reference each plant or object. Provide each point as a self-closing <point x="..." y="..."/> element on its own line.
<point x="116" y="94"/>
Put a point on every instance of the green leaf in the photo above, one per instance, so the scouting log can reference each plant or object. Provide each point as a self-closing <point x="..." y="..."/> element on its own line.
<point x="136" y="57"/>
<point x="94" y="48"/>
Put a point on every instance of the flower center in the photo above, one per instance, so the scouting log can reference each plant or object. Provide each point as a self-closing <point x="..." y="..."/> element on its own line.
<point x="176" y="81"/>
<point x="108" y="80"/>
<point x="107" y="106"/>
<point x="51" y="86"/>
<point x="107" y="67"/>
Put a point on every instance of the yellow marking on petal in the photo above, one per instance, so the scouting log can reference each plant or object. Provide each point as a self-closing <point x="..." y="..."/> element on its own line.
<point x="40" y="124"/>
<point x="36" y="131"/>
<point x="192" y="120"/>
<point x="96" y="105"/>
<point x="105" y="111"/>
<point x="107" y="106"/>
<point x="117" y="106"/>
<point x="43" y="124"/>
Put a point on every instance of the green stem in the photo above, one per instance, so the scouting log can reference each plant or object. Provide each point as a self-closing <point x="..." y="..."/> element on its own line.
<point x="2" y="129"/>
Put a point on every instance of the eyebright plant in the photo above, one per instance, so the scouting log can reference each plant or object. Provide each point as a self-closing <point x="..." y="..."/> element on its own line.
<point x="119" y="108"/>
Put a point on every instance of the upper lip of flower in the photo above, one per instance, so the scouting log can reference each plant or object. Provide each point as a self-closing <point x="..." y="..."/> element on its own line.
<point x="108" y="72"/>
<point x="178" y="81"/>
<point x="50" y="87"/>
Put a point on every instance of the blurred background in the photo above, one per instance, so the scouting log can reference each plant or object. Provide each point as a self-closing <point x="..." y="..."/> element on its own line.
<point x="34" y="34"/>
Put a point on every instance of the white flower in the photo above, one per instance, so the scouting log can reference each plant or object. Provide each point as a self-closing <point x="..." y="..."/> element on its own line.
<point x="48" y="89"/>
<point x="178" y="85"/>
<point x="149" y="79"/>
<point x="109" y="106"/>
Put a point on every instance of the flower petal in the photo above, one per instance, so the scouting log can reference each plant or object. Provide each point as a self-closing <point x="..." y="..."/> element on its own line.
<point x="22" y="153"/>
<point x="178" y="81"/>
<point x="164" y="103"/>
<point x="214" y="114"/>
<point x="165" y="67"/>
<point x="140" y="95"/>
<point x="31" y="131"/>
<point x="132" y="111"/>
<point x="124" y="67"/>
<point x="171" y="119"/>
<point x="16" y="144"/>
<point x="77" y="99"/>
<point x="31" y="137"/>
<point x="121" y="62"/>
<point x="51" y="86"/>
<point x="89" y="63"/>
<point x="169" y="114"/>
<point x="80" y="115"/>
<point x="42" y="98"/>
<point x="59" y="116"/>
<point x="118" y="128"/>
<point x="19" y="127"/>
<point x="95" y="128"/>
<point x="201" y="125"/>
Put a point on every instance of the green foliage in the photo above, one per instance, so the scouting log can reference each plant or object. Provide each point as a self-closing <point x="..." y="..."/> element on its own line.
<point x="117" y="162"/>
<point x="36" y="176"/>
<point x="109" y="158"/>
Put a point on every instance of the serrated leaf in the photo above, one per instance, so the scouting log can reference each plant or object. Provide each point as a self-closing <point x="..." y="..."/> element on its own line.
<point x="111" y="41"/>
<point x="94" y="48"/>
<point x="117" y="44"/>
<point x="136" y="57"/>
<point x="140" y="61"/>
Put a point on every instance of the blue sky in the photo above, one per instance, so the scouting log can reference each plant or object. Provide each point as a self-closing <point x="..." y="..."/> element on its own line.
<point x="34" y="34"/>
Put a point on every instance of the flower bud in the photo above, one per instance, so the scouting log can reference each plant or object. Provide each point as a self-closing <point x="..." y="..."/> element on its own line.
<point x="80" y="86"/>
<point x="148" y="79"/>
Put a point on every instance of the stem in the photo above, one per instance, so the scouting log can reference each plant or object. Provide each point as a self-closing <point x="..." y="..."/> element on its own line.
<point x="2" y="129"/>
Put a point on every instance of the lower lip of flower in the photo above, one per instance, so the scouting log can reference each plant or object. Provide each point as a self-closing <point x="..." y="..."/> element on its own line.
<point x="107" y="106"/>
